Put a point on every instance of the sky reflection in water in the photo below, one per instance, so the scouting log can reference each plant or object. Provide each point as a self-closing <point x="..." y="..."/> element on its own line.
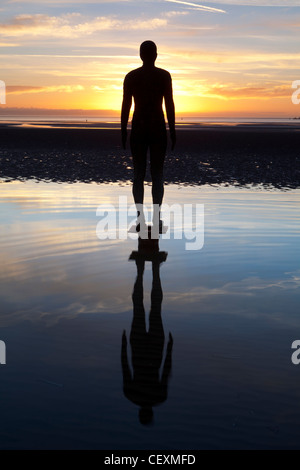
<point x="232" y="309"/>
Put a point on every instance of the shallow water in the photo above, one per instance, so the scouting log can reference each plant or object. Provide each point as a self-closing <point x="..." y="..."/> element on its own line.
<point x="232" y="308"/>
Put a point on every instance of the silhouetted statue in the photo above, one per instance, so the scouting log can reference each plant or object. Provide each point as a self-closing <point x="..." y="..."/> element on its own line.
<point x="149" y="86"/>
<point x="144" y="386"/>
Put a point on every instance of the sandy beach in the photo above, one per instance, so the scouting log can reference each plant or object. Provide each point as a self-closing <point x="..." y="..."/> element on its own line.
<point x="240" y="154"/>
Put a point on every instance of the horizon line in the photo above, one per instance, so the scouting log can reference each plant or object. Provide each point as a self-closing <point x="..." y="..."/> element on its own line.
<point x="16" y="111"/>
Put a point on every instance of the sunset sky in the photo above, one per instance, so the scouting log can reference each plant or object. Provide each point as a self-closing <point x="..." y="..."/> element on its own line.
<point x="227" y="58"/>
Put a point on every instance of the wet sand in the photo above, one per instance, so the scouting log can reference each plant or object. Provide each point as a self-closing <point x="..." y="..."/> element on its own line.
<point x="244" y="154"/>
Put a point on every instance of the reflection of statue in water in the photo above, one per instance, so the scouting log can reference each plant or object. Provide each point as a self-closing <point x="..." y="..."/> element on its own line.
<point x="145" y="387"/>
<point x="148" y="86"/>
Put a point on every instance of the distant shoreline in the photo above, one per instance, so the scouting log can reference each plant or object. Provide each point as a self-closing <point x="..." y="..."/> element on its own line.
<point x="292" y="124"/>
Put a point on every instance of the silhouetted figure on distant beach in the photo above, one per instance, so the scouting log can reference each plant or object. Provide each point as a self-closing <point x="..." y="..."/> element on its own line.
<point x="149" y="86"/>
<point x="145" y="387"/>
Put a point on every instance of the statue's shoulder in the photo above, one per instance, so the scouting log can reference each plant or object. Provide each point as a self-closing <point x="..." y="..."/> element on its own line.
<point x="134" y="73"/>
<point x="163" y="73"/>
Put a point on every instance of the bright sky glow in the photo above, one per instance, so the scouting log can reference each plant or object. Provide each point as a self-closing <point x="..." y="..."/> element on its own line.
<point x="227" y="58"/>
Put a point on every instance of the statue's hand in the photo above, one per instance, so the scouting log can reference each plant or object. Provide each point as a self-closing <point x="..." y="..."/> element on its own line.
<point x="173" y="138"/>
<point x="124" y="138"/>
<point x="124" y="339"/>
<point x="170" y="343"/>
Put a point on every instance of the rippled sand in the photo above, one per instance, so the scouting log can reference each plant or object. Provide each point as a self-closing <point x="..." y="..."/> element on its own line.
<point x="248" y="154"/>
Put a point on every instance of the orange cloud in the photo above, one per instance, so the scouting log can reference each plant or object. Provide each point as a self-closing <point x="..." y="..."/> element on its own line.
<point x="71" y="26"/>
<point x="8" y="44"/>
<point x="21" y="90"/>
<point x="249" y="92"/>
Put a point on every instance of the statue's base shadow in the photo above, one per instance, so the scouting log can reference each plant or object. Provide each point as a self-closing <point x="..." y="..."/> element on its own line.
<point x="148" y="247"/>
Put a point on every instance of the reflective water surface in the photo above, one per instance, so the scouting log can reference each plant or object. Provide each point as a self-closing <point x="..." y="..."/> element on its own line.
<point x="213" y="371"/>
